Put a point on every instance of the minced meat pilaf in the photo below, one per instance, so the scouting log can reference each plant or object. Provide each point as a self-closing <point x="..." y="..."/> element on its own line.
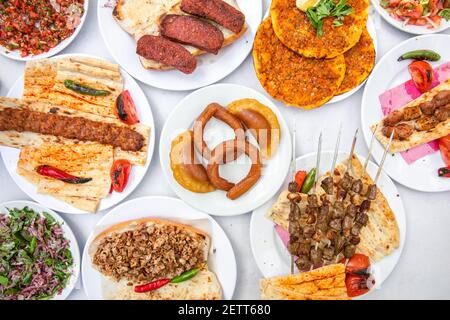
<point x="34" y="27"/>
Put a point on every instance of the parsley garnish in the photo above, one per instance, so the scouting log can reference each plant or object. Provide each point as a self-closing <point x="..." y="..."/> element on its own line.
<point x="325" y="9"/>
<point x="445" y="13"/>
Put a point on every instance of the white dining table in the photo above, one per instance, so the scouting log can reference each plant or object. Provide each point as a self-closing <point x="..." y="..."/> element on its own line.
<point x="423" y="269"/>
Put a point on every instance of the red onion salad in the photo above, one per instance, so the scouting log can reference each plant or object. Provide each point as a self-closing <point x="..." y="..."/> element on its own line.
<point x="35" y="259"/>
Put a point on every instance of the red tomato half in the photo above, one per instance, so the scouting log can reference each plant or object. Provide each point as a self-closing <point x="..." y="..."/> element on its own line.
<point x="120" y="172"/>
<point x="358" y="284"/>
<point x="125" y="108"/>
<point x="411" y="10"/>
<point x="358" y="262"/>
<point x="444" y="146"/>
<point x="422" y="75"/>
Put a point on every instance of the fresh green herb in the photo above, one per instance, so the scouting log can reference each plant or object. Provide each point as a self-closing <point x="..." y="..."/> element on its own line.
<point x="4" y="281"/>
<point x="445" y="13"/>
<point x="326" y="9"/>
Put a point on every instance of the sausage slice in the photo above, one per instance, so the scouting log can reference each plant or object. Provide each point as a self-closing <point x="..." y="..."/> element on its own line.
<point x="217" y="11"/>
<point x="167" y="52"/>
<point x="192" y="31"/>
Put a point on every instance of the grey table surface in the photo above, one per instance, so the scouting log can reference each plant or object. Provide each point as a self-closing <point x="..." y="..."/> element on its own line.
<point x="421" y="273"/>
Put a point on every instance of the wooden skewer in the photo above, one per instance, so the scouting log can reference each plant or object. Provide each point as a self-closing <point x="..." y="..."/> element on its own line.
<point x="372" y="140"/>
<point x="352" y="151"/>
<point x="319" y="151"/>
<point x="336" y="151"/>
<point x="293" y="171"/>
<point x="386" y="150"/>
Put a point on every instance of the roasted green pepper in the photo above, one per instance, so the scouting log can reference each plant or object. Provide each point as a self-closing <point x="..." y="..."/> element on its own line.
<point x="79" y="88"/>
<point x="429" y="55"/>
<point x="185" y="276"/>
<point x="309" y="181"/>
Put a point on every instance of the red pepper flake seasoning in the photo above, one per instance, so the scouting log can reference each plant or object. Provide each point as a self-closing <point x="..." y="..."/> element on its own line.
<point x="34" y="27"/>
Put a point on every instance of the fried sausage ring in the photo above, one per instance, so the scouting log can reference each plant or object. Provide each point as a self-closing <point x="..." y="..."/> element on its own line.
<point x="217" y="111"/>
<point x="227" y="151"/>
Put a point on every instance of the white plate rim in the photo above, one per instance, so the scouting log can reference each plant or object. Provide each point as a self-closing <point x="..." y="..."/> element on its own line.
<point x="416" y="30"/>
<point x="151" y="146"/>
<point x="232" y="266"/>
<point x="366" y="130"/>
<point x="164" y="158"/>
<point x="14" y="55"/>
<point x="258" y="214"/>
<point x="154" y="83"/>
<point x="68" y="234"/>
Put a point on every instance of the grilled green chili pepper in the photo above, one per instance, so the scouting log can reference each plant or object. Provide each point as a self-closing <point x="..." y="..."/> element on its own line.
<point x="429" y="55"/>
<point x="309" y="181"/>
<point x="185" y="276"/>
<point x="69" y="84"/>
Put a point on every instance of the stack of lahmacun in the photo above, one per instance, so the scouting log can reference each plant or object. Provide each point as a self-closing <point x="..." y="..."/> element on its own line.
<point x="302" y="69"/>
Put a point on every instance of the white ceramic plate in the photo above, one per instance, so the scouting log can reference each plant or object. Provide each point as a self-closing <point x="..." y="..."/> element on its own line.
<point x="15" y="55"/>
<point x="210" y="68"/>
<point x="272" y="257"/>
<point x="222" y="262"/>
<point x="216" y="203"/>
<point x="10" y="156"/>
<point x="68" y="234"/>
<point x="388" y="73"/>
<point x="407" y="28"/>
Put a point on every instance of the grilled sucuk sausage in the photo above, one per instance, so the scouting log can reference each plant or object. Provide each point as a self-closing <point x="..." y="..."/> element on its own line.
<point x="402" y="131"/>
<point x="393" y="118"/>
<point x="217" y="11"/>
<point x="163" y="50"/>
<point x="442" y="98"/>
<point x="426" y="123"/>
<point x="427" y="108"/>
<point x="192" y="31"/>
<point x="411" y="113"/>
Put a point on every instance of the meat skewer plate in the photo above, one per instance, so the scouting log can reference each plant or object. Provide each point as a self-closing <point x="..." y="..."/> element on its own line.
<point x="221" y="259"/>
<point x="271" y="255"/>
<point x="389" y="74"/>
<point x="211" y="68"/>
<point x="10" y="156"/>
<point x="216" y="202"/>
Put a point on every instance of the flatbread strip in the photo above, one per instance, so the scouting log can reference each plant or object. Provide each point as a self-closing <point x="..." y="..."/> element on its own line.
<point x="379" y="238"/>
<point x="20" y="139"/>
<point x="204" y="286"/>
<point x="141" y="17"/>
<point x="44" y="81"/>
<point x="326" y="283"/>
<point x="418" y="137"/>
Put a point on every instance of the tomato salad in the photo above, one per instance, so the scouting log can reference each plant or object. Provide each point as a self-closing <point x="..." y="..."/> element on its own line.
<point x="427" y="13"/>
<point x="35" y="27"/>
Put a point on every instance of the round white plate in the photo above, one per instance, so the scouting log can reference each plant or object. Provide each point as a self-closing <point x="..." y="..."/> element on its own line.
<point x="216" y="203"/>
<point x="272" y="257"/>
<point x="15" y="55"/>
<point x="11" y="156"/>
<point x="407" y="28"/>
<point x="68" y="234"/>
<point x="222" y="262"/>
<point x="388" y="73"/>
<point x="210" y="69"/>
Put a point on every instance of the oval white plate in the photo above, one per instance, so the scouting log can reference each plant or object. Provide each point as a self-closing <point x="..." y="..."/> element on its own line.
<point x="15" y="55"/>
<point x="216" y="203"/>
<point x="407" y="28"/>
<point x="210" y="68"/>
<point x="10" y="156"/>
<point x="388" y="73"/>
<point x="222" y="262"/>
<point x="68" y="234"/>
<point x="272" y="257"/>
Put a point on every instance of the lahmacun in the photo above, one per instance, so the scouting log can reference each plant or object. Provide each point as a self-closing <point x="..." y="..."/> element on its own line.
<point x="292" y="78"/>
<point x="295" y="31"/>
<point x="359" y="62"/>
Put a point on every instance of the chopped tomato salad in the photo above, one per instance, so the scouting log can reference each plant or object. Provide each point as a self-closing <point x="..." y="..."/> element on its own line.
<point x="427" y="13"/>
<point x="34" y="27"/>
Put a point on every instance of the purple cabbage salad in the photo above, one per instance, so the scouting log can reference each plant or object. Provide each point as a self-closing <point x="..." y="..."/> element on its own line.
<point x="35" y="259"/>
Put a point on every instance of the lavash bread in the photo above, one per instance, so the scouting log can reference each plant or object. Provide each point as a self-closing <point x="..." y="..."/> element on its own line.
<point x="379" y="238"/>
<point x="418" y="137"/>
<point x="325" y="283"/>
<point x="142" y="17"/>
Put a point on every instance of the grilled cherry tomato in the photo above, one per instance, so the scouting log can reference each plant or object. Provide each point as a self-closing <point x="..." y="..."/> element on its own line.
<point x="300" y="177"/>
<point x="422" y="75"/>
<point x="125" y="108"/>
<point x="444" y="146"/>
<point x="357" y="263"/>
<point x="358" y="284"/>
<point x="120" y="172"/>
